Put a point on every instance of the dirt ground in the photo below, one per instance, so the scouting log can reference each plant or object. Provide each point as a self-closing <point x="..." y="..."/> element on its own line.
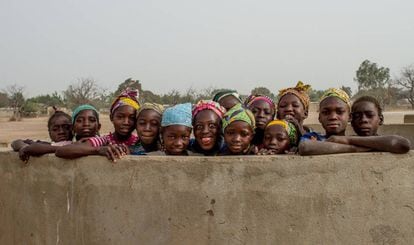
<point x="36" y="128"/>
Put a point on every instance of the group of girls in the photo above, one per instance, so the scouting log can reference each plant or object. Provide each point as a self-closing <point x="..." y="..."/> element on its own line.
<point x="225" y="125"/>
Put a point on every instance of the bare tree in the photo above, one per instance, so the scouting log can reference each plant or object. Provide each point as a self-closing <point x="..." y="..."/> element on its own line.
<point x="16" y="100"/>
<point x="406" y="81"/>
<point x="86" y="91"/>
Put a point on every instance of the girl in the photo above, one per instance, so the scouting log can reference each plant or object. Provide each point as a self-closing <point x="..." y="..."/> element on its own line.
<point x="366" y="119"/>
<point x="280" y="136"/>
<point x="113" y="145"/>
<point x="263" y="109"/>
<point x="85" y="122"/>
<point x="176" y="130"/>
<point x="227" y="98"/>
<point x="294" y="102"/>
<point x="59" y="127"/>
<point x="148" y="128"/>
<point x="334" y="114"/>
<point x="238" y="126"/>
<point x="207" y="117"/>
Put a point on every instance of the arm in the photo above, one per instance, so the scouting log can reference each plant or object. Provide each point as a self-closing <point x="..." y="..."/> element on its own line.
<point x="389" y="143"/>
<point x="112" y="152"/>
<point x="18" y="144"/>
<point x="307" y="148"/>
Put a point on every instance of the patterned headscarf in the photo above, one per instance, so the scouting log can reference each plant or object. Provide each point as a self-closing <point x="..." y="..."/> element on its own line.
<point x="339" y="93"/>
<point x="151" y="106"/>
<point x="177" y="115"/>
<point x="300" y="91"/>
<point x="220" y="95"/>
<point x="256" y="97"/>
<point x="208" y="105"/>
<point x="81" y="108"/>
<point x="127" y="97"/>
<point x="238" y="113"/>
<point x="290" y="129"/>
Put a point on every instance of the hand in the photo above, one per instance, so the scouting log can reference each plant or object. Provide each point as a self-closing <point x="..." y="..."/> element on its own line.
<point x="264" y="151"/>
<point x="23" y="155"/>
<point x="113" y="152"/>
<point x="339" y="139"/>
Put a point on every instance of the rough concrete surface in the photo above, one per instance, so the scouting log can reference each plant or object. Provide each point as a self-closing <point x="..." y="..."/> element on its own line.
<point x="365" y="198"/>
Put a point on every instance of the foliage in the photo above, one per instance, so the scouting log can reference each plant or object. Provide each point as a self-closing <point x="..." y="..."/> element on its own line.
<point x="48" y="100"/>
<point x="4" y="100"/>
<point x="370" y="76"/>
<point x="315" y="95"/>
<point x="347" y="90"/>
<point x="263" y="91"/>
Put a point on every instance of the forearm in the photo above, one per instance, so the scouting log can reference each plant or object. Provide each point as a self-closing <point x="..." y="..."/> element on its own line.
<point x="76" y="151"/>
<point x="18" y="144"/>
<point x="38" y="149"/>
<point x="389" y="143"/>
<point x="307" y="148"/>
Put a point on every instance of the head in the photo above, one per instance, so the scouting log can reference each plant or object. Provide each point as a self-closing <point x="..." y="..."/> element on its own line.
<point x="263" y="109"/>
<point x="149" y="122"/>
<point x="238" y="126"/>
<point x="176" y="129"/>
<point x="366" y="116"/>
<point x="123" y="113"/>
<point x="227" y="98"/>
<point x="294" y="102"/>
<point x="85" y="121"/>
<point x="280" y="136"/>
<point x="60" y="127"/>
<point x="334" y="112"/>
<point x="207" y="117"/>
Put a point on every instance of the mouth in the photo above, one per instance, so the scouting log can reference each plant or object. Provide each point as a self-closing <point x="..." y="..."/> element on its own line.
<point x="332" y="125"/>
<point x="207" y="140"/>
<point x="236" y="148"/>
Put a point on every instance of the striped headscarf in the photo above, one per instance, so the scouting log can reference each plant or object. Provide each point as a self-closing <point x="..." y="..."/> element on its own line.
<point x="256" y="97"/>
<point x="151" y="106"/>
<point x="338" y="93"/>
<point x="208" y="105"/>
<point x="290" y="129"/>
<point x="177" y="115"/>
<point x="238" y="113"/>
<point x="300" y="91"/>
<point x="220" y="95"/>
<point x="81" y="108"/>
<point x="127" y="97"/>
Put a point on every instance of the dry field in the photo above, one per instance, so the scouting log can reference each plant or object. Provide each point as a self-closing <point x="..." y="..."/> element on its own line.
<point x="35" y="128"/>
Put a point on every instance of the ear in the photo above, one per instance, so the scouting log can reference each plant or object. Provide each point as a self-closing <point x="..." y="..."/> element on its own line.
<point x="381" y="120"/>
<point x="99" y="126"/>
<point x="306" y="114"/>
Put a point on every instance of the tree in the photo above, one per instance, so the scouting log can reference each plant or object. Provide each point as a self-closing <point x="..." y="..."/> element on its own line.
<point x="4" y="100"/>
<point x="406" y="82"/>
<point x="263" y="91"/>
<point x="16" y="100"/>
<point x="315" y="95"/>
<point x="370" y="76"/>
<point x="347" y="90"/>
<point x="86" y="91"/>
<point x="374" y="81"/>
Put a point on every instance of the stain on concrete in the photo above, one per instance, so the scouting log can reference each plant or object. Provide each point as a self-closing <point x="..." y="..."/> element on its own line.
<point x="210" y="212"/>
<point x="384" y="235"/>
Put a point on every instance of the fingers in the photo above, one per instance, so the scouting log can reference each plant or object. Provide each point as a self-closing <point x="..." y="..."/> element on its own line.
<point x="114" y="152"/>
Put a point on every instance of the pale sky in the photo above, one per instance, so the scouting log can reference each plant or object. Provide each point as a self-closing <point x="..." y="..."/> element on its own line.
<point x="47" y="45"/>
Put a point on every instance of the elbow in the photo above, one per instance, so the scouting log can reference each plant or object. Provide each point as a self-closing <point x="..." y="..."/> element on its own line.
<point x="400" y="145"/>
<point x="303" y="148"/>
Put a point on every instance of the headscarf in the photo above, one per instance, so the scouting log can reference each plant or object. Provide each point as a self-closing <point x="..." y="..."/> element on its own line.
<point x="151" y="106"/>
<point x="339" y="93"/>
<point x="81" y="108"/>
<point x="127" y="97"/>
<point x="238" y="113"/>
<point x="290" y="129"/>
<point x="300" y="91"/>
<point x="208" y="105"/>
<point x="256" y="97"/>
<point x="177" y="115"/>
<point x="220" y="95"/>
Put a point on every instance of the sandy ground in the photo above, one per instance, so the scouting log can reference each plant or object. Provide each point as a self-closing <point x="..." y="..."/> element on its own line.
<point x="36" y="128"/>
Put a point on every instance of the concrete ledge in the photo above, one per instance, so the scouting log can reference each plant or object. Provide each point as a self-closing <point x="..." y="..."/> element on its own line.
<point x="365" y="198"/>
<point x="409" y="118"/>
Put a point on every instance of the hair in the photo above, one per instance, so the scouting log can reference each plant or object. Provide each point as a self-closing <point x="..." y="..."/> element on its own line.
<point x="93" y="111"/>
<point x="56" y="114"/>
<point x="371" y="99"/>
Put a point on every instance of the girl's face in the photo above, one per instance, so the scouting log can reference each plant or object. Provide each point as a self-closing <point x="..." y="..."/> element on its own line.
<point x="86" y="124"/>
<point x="238" y="136"/>
<point x="60" y="129"/>
<point x="276" y="139"/>
<point x="148" y="126"/>
<point x="262" y="112"/>
<point x="206" y="129"/>
<point x="365" y="119"/>
<point x="176" y="139"/>
<point x="124" y="120"/>
<point x="334" y="116"/>
<point x="228" y="102"/>
<point x="291" y="106"/>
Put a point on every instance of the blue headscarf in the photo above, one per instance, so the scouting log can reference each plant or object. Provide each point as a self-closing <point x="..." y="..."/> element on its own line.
<point x="177" y="115"/>
<point x="81" y="108"/>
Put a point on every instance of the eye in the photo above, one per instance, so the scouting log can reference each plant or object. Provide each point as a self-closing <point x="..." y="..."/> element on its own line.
<point x="199" y="127"/>
<point x="212" y="126"/>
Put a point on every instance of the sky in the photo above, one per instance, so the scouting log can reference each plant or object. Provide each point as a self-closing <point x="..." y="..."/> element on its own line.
<point x="47" y="45"/>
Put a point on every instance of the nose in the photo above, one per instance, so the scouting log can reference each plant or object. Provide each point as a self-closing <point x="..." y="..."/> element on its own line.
<point x="289" y="108"/>
<point x="273" y="141"/>
<point x="205" y="130"/>
<point x="332" y="116"/>
<point x="178" y="142"/>
<point x="260" y="113"/>
<point x="237" y="138"/>
<point x="147" y="127"/>
<point x="363" y="119"/>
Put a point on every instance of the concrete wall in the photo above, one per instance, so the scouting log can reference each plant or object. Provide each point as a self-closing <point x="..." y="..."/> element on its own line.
<point x="365" y="198"/>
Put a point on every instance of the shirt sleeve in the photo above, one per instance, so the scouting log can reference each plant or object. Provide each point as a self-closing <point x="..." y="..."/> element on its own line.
<point x="98" y="141"/>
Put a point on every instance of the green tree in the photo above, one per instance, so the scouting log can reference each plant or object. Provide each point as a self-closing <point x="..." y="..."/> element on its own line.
<point x="370" y="76"/>
<point x="315" y="95"/>
<point x="263" y="91"/>
<point x="347" y="90"/>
